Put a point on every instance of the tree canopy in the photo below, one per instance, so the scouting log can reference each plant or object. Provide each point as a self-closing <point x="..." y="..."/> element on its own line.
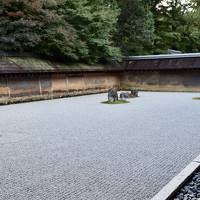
<point x="99" y="30"/>
<point x="135" y="27"/>
<point x="76" y="30"/>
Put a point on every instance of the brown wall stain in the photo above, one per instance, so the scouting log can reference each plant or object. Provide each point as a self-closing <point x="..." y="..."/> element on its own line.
<point x="4" y="89"/>
<point x="59" y="83"/>
<point x="75" y="83"/>
<point x="23" y="86"/>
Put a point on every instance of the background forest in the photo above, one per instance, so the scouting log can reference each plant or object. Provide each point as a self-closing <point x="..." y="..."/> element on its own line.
<point x="99" y="30"/>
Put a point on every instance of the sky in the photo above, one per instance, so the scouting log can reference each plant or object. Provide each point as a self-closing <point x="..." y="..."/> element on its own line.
<point x="182" y="1"/>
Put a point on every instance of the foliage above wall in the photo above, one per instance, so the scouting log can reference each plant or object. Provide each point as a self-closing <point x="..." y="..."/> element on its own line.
<point x="98" y="30"/>
<point x="76" y="30"/>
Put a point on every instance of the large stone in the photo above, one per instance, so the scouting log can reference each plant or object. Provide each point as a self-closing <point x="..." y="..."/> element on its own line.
<point x="113" y="95"/>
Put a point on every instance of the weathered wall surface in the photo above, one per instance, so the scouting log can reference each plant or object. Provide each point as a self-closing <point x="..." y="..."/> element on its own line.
<point x="28" y="87"/>
<point x="20" y="87"/>
<point x="166" y="80"/>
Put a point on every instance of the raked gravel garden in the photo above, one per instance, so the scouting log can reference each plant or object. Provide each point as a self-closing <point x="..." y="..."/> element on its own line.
<point x="80" y="149"/>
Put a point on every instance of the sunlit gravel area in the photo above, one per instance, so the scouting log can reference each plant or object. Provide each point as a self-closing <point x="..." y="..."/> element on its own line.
<point x="80" y="149"/>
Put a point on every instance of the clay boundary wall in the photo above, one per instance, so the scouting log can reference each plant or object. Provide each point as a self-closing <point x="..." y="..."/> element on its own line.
<point x="16" y="88"/>
<point x="164" y="80"/>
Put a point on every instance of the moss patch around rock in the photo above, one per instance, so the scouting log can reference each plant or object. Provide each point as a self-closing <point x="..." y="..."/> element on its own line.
<point x="116" y="102"/>
<point x="196" y="98"/>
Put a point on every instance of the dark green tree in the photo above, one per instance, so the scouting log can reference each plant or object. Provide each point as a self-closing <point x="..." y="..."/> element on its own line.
<point x="176" y="25"/>
<point x="95" y="22"/>
<point x="135" y="27"/>
<point x="35" y="26"/>
<point x="72" y="30"/>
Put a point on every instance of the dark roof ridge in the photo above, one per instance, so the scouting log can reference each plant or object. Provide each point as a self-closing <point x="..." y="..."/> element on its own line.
<point x="163" y="56"/>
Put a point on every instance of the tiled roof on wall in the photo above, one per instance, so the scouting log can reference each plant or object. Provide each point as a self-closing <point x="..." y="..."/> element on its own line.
<point x="20" y="64"/>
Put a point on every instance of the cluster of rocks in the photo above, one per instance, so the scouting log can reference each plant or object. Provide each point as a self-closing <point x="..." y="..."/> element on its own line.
<point x="113" y="94"/>
<point x="191" y="191"/>
<point x="132" y="94"/>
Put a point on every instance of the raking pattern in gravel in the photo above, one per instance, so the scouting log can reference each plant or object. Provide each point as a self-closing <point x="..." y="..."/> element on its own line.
<point x="80" y="149"/>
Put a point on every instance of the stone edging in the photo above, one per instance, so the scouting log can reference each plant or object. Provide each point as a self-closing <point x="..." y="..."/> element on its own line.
<point x="168" y="192"/>
<point x="15" y="100"/>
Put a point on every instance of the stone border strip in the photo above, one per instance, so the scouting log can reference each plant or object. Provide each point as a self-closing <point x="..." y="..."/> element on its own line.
<point x="168" y="192"/>
<point x="25" y="99"/>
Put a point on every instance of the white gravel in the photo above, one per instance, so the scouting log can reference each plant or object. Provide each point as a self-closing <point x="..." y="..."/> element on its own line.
<point x="79" y="149"/>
